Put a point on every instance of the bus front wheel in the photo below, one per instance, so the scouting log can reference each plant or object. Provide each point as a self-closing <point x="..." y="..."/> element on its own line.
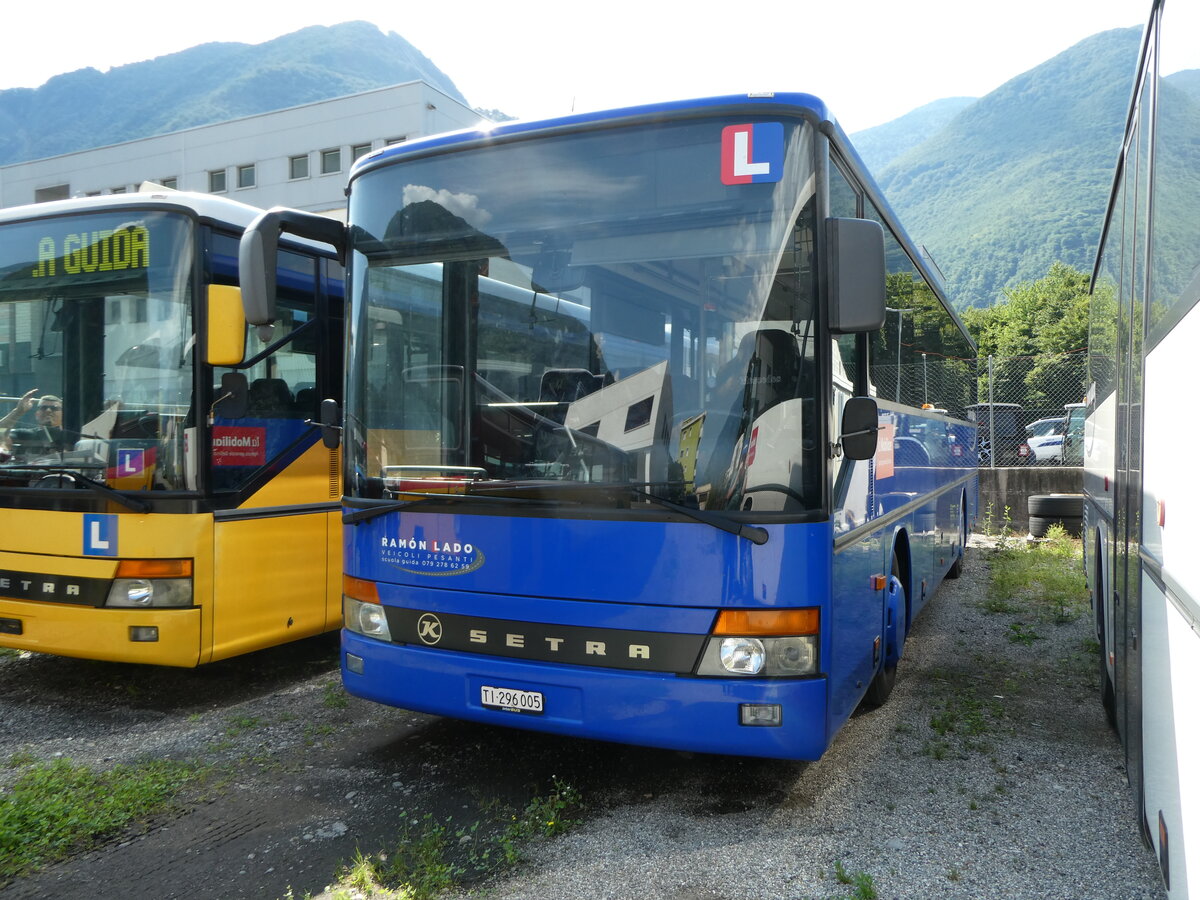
<point x="881" y="685"/>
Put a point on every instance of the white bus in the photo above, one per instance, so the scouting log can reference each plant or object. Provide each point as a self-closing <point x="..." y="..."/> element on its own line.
<point x="1142" y="508"/>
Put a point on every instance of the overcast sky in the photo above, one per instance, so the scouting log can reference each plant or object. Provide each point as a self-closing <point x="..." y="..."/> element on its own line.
<point x="870" y="60"/>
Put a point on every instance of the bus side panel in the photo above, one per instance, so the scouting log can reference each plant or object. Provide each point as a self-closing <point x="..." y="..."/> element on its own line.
<point x="856" y="614"/>
<point x="272" y="574"/>
<point x="1171" y="736"/>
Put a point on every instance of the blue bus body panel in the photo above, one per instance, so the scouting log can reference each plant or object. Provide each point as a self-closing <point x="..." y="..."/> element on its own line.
<point x="639" y="563"/>
<point x="626" y="707"/>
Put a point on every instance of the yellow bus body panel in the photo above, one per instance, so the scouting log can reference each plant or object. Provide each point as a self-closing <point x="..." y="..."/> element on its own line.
<point x="51" y="542"/>
<point x="275" y="577"/>
<point x="257" y="581"/>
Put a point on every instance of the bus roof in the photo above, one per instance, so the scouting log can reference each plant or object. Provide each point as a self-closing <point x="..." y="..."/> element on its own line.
<point x="206" y="206"/>
<point x="795" y="102"/>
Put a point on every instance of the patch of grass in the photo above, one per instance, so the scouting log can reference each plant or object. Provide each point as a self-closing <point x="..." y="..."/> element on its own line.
<point x="335" y="696"/>
<point x="9" y="653"/>
<point x="862" y="882"/>
<point x="1044" y="579"/>
<point x="238" y="724"/>
<point x="432" y="856"/>
<point x="55" y="809"/>
<point x="1020" y="633"/>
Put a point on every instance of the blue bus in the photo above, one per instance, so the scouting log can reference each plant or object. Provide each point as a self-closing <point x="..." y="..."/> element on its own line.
<point x="655" y="426"/>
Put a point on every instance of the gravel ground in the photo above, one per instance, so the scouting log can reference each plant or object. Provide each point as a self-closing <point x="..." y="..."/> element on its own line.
<point x="990" y="773"/>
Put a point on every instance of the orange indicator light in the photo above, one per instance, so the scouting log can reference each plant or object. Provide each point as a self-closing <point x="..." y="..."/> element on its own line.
<point x="768" y="621"/>
<point x="154" y="568"/>
<point x="360" y="589"/>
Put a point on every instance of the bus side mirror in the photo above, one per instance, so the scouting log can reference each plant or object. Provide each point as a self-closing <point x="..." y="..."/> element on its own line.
<point x="226" y="344"/>
<point x="857" y="275"/>
<point x="331" y="424"/>
<point x="860" y="428"/>
<point x="258" y="250"/>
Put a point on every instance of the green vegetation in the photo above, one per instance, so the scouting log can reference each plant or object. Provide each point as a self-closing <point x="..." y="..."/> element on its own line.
<point x="862" y="882"/>
<point x="1019" y="179"/>
<point x="56" y="809"/>
<point x="1043" y="580"/>
<point x="433" y="855"/>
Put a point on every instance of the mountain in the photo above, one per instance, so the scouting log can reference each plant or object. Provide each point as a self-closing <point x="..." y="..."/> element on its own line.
<point x="881" y="145"/>
<point x="1019" y="179"/>
<point x="204" y="84"/>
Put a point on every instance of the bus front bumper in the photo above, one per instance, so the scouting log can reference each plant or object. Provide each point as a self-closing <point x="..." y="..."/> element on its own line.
<point x="117" y="635"/>
<point x="649" y="709"/>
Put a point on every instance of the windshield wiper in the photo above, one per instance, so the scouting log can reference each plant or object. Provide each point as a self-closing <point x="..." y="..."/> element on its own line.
<point x="751" y="533"/>
<point x="387" y="506"/>
<point x="136" y="504"/>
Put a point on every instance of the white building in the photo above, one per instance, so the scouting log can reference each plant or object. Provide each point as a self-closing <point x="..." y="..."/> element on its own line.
<point x="298" y="157"/>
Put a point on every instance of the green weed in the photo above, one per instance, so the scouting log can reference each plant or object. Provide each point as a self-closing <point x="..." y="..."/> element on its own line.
<point x="55" y="809"/>
<point x="432" y="856"/>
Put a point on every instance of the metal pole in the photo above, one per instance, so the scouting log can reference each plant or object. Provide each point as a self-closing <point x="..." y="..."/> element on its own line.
<point x="991" y="410"/>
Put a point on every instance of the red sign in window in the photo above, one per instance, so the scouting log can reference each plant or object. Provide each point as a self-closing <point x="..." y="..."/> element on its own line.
<point x="239" y="446"/>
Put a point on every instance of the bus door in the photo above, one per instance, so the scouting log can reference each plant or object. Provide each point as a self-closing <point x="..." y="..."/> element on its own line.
<point x="277" y="544"/>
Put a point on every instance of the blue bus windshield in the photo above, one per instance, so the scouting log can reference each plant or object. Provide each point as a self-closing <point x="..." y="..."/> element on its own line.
<point x="606" y="308"/>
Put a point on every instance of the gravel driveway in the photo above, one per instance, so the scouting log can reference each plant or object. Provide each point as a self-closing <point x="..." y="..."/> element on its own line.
<point x="990" y="773"/>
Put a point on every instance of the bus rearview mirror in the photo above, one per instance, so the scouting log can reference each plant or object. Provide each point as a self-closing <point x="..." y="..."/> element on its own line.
<point x="226" y="345"/>
<point x="857" y="275"/>
<point x="860" y="428"/>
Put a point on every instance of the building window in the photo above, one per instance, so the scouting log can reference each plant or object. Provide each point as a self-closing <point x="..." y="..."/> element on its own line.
<point x="395" y="140"/>
<point x="298" y="167"/>
<point x="331" y="161"/>
<point x="216" y="181"/>
<point x="58" y="192"/>
<point x="358" y="151"/>
<point x="118" y="190"/>
<point x="172" y="183"/>
<point x="245" y="176"/>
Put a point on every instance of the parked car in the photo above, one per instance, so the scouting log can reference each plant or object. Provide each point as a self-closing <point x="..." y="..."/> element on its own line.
<point x="1045" y="439"/>
<point x="1008" y="444"/>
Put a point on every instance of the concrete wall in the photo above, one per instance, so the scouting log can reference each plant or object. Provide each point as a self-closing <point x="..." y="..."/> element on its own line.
<point x="1012" y="487"/>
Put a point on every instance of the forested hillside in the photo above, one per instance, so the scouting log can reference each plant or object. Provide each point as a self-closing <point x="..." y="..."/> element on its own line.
<point x="1019" y="179"/>
<point x="209" y="83"/>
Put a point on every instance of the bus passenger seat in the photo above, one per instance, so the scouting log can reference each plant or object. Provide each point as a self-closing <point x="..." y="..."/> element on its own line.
<point x="269" y="398"/>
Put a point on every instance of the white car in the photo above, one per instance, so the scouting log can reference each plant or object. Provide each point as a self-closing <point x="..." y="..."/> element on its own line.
<point x="1045" y="439"/>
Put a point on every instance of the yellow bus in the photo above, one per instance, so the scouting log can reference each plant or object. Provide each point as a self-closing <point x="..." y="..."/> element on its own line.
<point x="165" y="497"/>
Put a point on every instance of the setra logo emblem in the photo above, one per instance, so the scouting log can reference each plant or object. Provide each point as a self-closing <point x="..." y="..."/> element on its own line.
<point x="429" y="629"/>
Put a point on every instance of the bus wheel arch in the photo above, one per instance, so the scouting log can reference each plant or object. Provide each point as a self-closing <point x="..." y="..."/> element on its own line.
<point x="897" y="619"/>
<point x="1108" y="696"/>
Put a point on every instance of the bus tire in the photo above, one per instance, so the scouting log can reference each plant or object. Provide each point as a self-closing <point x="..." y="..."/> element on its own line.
<point x="881" y="685"/>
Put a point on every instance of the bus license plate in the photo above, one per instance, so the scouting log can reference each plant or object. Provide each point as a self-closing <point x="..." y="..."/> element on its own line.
<point x="512" y="701"/>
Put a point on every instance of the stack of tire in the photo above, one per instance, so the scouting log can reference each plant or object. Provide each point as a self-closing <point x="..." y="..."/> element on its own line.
<point x="1055" y="509"/>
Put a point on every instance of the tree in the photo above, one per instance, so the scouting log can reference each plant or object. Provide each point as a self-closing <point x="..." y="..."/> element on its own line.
<point x="1038" y="338"/>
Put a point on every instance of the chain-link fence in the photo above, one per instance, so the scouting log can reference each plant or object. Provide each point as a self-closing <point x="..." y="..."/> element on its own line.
<point x="1022" y="406"/>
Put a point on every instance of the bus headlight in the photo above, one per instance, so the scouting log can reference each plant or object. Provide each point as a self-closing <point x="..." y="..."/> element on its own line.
<point x="742" y="655"/>
<point x="144" y="593"/>
<point x="367" y="619"/>
<point x="764" y="643"/>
